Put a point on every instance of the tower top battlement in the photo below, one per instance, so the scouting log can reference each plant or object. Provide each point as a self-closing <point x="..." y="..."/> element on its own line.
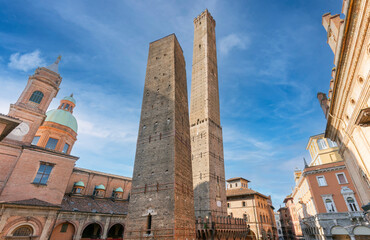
<point x="203" y="15"/>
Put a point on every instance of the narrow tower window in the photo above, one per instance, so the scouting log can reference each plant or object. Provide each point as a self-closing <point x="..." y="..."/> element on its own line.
<point x="36" y="97"/>
<point x="149" y="228"/>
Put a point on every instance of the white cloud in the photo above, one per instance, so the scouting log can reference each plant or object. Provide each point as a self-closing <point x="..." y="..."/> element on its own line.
<point x="26" y="61"/>
<point x="233" y="41"/>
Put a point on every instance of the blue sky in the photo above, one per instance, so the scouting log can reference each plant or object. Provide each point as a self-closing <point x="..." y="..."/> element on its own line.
<point x="272" y="60"/>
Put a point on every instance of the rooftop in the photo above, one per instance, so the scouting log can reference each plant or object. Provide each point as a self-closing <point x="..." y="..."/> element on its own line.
<point x="242" y="192"/>
<point x="236" y="178"/>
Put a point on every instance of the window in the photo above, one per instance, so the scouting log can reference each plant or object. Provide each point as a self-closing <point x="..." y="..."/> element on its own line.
<point x="77" y="190"/>
<point x="36" y="97"/>
<point x="64" y="227"/>
<point x="341" y="178"/>
<point x="321" y="180"/>
<point x="52" y="143"/>
<point x="352" y="204"/>
<point x="321" y="143"/>
<point x="67" y="106"/>
<point x="23" y="231"/>
<point x="43" y="174"/>
<point x="243" y="204"/>
<point x="35" y="140"/>
<point x="331" y="143"/>
<point x="228" y="205"/>
<point x="149" y="228"/>
<point x="329" y="205"/>
<point x="245" y="217"/>
<point x="65" y="148"/>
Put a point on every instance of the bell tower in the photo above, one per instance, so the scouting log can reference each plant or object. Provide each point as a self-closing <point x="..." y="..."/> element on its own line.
<point x="205" y="127"/>
<point x="35" y="99"/>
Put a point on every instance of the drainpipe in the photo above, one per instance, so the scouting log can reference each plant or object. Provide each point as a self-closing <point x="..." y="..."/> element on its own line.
<point x="55" y="221"/>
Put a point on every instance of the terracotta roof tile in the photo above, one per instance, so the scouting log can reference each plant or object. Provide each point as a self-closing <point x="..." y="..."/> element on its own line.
<point x="33" y="202"/>
<point x="242" y="192"/>
<point x="94" y="205"/>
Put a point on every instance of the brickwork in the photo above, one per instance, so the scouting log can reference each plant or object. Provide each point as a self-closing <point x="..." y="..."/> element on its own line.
<point x="161" y="202"/>
<point x="45" y="81"/>
<point x="205" y="129"/>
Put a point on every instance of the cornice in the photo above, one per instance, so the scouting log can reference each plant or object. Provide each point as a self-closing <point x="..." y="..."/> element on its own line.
<point x="50" y="152"/>
<point x="322" y="170"/>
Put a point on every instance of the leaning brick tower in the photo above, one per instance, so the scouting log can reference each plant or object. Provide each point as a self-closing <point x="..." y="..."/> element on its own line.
<point x="162" y="202"/>
<point x="205" y="127"/>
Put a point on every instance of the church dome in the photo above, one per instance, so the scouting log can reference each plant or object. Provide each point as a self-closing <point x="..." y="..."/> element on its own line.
<point x="62" y="117"/>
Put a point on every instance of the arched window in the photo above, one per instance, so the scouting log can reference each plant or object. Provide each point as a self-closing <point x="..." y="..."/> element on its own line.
<point x="351" y="204"/>
<point x="23" y="231"/>
<point x="36" y="97"/>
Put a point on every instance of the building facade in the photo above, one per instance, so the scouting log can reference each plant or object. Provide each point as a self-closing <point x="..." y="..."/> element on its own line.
<point x="324" y="203"/>
<point x="347" y="106"/>
<point x="286" y="223"/>
<point x="254" y="207"/>
<point x="278" y="226"/>
<point x="42" y="194"/>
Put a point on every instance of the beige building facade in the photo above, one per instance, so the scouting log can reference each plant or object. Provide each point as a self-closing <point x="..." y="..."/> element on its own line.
<point x="347" y="106"/>
<point x="254" y="207"/>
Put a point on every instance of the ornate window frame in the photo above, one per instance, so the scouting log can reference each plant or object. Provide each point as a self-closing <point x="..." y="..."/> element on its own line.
<point x="330" y="197"/>
<point x="346" y="193"/>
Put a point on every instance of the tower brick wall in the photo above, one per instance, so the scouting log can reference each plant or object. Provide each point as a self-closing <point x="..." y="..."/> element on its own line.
<point x="31" y="113"/>
<point x="161" y="202"/>
<point x="205" y="129"/>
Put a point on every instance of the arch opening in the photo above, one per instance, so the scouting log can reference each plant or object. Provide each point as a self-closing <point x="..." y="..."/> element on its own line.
<point x="92" y="231"/>
<point x="116" y="231"/>
<point x="63" y="231"/>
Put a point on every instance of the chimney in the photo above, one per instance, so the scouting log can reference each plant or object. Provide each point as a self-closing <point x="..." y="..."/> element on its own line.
<point x="324" y="103"/>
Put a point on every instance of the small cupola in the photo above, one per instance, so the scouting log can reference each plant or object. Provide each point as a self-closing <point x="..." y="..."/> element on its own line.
<point x="78" y="187"/>
<point x="99" y="191"/>
<point x="117" y="193"/>
<point x="67" y="103"/>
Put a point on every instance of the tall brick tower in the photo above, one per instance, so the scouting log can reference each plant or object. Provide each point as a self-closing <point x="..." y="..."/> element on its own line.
<point x="205" y="129"/>
<point x="161" y="202"/>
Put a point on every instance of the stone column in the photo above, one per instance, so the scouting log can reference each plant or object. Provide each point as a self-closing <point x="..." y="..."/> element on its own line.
<point x="106" y="228"/>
